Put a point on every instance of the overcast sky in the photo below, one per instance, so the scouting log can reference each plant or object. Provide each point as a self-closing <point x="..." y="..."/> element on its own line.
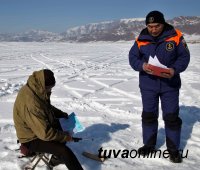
<point x="58" y="15"/>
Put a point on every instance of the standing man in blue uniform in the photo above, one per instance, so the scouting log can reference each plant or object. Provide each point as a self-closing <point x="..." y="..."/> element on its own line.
<point x="162" y="40"/>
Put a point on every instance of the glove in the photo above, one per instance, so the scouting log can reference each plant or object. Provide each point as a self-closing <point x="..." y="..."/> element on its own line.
<point x="76" y="139"/>
<point x="65" y="115"/>
<point x="69" y="138"/>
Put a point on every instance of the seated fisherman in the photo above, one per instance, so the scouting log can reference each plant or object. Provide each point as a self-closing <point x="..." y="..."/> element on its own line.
<point x="36" y="120"/>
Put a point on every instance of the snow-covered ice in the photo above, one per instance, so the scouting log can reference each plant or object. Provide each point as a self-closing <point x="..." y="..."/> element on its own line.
<point x="95" y="81"/>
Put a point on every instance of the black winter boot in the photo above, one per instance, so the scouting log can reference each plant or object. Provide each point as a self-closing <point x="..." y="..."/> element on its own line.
<point x="54" y="161"/>
<point x="146" y="150"/>
<point x="175" y="156"/>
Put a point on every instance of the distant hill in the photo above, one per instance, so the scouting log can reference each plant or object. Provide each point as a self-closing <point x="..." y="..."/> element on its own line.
<point x="124" y="29"/>
<point x="31" y="36"/>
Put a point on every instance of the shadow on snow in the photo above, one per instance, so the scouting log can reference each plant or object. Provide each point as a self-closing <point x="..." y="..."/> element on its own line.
<point x="189" y="115"/>
<point x="101" y="134"/>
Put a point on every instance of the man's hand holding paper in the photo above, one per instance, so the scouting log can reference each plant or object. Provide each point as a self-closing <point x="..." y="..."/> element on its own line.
<point x="168" y="75"/>
<point x="154" y="67"/>
<point x="147" y="69"/>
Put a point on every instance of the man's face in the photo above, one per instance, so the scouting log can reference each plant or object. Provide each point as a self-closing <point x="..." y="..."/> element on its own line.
<point x="48" y="90"/>
<point x="155" y="29"/>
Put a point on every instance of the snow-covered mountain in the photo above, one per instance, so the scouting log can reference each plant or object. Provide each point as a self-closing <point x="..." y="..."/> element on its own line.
<point x="124" y="29"/>
<point x="31" y="36"/>
<point x="189" y="25"/>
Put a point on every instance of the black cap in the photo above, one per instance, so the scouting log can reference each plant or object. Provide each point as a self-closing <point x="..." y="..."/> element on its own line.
<point x="49" y="78"/>
<point x="155" y="17"/>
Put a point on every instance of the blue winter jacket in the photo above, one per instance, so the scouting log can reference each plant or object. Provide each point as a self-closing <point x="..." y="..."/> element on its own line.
<point x="170" y="49"/>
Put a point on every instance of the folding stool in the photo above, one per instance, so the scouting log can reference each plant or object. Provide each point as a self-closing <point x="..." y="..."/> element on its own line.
<point x="39" y="157"/>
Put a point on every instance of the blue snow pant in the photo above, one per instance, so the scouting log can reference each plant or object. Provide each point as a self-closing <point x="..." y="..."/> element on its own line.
<point x="170" y="108"/>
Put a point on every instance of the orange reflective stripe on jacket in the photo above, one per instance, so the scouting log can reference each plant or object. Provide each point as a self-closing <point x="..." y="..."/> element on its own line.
<point x="176" y="38"/>
<point x="141" y="43"/>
